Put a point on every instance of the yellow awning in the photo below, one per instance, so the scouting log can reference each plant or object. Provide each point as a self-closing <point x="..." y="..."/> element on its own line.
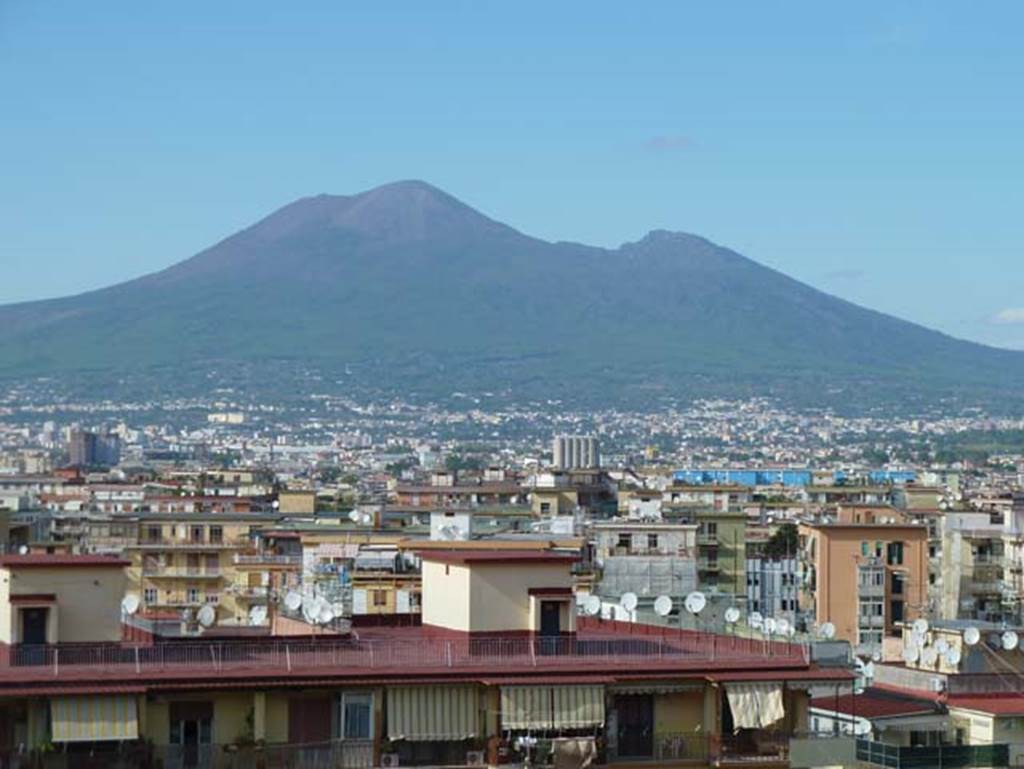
<point x="552" y="707"/>
<point x="94" y="719"/>
<point x="433" y="713"/>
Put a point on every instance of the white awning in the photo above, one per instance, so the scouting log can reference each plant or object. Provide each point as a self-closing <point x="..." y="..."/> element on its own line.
<point x="94" y="719"/>
<point x="552" y="707"/>
<point x="433" y="713"/>
<point x="755" y="706"/>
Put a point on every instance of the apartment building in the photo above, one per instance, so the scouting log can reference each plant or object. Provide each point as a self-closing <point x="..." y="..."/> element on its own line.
<point x="500" y="670"/>
<point x="648" y="558"/>
<point x="864" y="577"/>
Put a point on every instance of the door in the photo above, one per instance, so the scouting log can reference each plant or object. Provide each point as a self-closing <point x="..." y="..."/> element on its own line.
<point x="550" y="626"/>
<point x="635" y="725"/>
<point x="33" y="625"/>
<point x="191" y="732"/>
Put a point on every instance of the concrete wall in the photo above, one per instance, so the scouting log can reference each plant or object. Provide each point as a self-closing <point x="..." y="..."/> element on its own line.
<point x="446" y="595"/>
<point x="499" y="594"/>
<point x="680" y="712"/>
<point x="88" y="604"/>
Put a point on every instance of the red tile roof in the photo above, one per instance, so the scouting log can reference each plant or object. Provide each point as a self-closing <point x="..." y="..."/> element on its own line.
<point x="47" y="561"/>
<point x="997" y="705"/>
<point x="876" y="703"/>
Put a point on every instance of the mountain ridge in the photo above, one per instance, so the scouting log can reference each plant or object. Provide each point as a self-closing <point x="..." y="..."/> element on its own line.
<point x="406" y="272"/>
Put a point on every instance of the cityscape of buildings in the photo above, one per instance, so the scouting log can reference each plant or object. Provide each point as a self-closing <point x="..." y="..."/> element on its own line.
<point x="337" y="584"/>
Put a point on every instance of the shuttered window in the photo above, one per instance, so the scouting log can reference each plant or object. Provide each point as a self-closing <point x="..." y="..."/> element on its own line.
<point x="552" y="707"/>
<point x="94" y="719"/>
<point x="433" y="713"/>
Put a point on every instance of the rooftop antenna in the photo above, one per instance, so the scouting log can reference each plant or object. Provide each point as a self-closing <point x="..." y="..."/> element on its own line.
<point x="942" y="646"/>
<point x="129" y="604"/>
<point x="293" y="601"/>
<point x="23" y="550"/>
<point x="732" y="615"/>
<point x="257" y="615"/>
<point x="971" y="636"/>
<point x="629" y="602"/>
<point x="952" y="656"/>
<point x="827" y="631"/>
<point x="1010" y="640"/>
<point x="662" y="605"/>
<point x="755" y="620"/>
<point x="920" y="626"/>
<point x="592" y="605"/>
<point x="910" y="654"/>
<point x="206" y="615"/>
<point x="929" y="656"/>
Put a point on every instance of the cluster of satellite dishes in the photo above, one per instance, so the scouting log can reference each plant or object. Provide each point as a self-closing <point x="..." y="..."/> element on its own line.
<point x="361" y="517"/>
<point x="316" y="610"/>
<point x="918" y="650"/>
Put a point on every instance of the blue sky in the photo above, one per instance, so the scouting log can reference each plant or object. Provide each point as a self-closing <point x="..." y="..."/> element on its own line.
<point x="873" y="150"/>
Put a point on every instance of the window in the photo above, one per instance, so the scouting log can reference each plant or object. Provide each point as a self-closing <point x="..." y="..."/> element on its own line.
<point x="896" y="611"/>
<point x="712" y="529"/>
<point x="356" y="716"/>
<point x="864" y="549"/>
<point x="196" y="534"/>
<point x="192" y="595"/>
<point x="625" y="541"/>
<point x="149" y="595"/>
<point x="153" y="533"/>
<point x="652" y="541"/>
<point x="380" y="597"/>
<point x="545" y="507"/>
<point x="894" y="553"/>
<point x="212" y="565"/>
<point x="897" y="583"/>
<point x="213" y="598"/>
<point x="216" y="534"/>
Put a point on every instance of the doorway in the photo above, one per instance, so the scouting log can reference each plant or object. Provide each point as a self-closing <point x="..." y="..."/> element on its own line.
<point x="635" y="725"/>
<point x="192" y="732"/>
<point x="33" y="625"/>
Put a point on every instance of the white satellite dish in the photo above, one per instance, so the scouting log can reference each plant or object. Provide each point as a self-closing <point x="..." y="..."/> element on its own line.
<point x="293" y="601"/>
<point x="592" y="606"/>
<point x="827" y="631"/>
<point x="355" y="516"/>
<point x="755" y="620"/>
<point x="942" y="646"/>
<point x="187" y="615"/>
<point x="257" y="615"/>
<point x="869" y="670"/>
<point x="876" y="656"/>
<point x="732" y="615"/>
<point x="23" y="550"/>
<point x="206" y="616"/>
<point x="920" y="626"/>
<point x="929" y="656"/>
<point x="629" y="601"/>
<point x="783" y="626"/>
<point x="971" y="636"/>
<point x="326" y="615"/>
<point x="1009" y="640"/>
<point x="695" y="602"/>
<point x="952" y="656"/>
<point x="770" y="625"/>
<point x="662" y="605"/>
<point x="910" y="654"/>
<point x="130" y="604"/>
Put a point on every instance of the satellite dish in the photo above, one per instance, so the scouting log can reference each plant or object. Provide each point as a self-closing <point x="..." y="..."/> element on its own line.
<point x="929" y="656"/>
<point x="355" y="516"/>
<point x="187" y="615"/>
<point x="307" y="604"/>
<point x="770" y="625"/>
<point x="629" y="601"/>
<point x="23" y="550"/>
<point x="876" y="656"/>
<point x="1009" y="640"/>
<point x="942" y="646"/>
<point x="920" y="626"/>
<point x="952" y="656"/>
<point x="827" y="631"/>
<point x="207" y="615"/>
<point x="755" y="620"/>
<point x="783" y="626"/>
<point x="869" y="670"/>
<point x="326" y="615"/>
<point x="293" y="601"/>
<point x="910" y="654"/>
<point x="971" y="636"/>
<point x="695" y="602"/>
<point x="592" y="606"/>
<point x="917" y="639"/>
<point x="662" y="605"/>
<point x="732" y="615"/>
<point x="257" y="615"/>
<point x="130" y="604"/>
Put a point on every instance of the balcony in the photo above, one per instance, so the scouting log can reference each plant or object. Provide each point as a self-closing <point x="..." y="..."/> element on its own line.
<point x="706" y="564"/>
<point x="165" y="543"/>
<point x="256" y="594"/>
<point x="181" y="572"/>
<point x="267" y="559"/>
<point x="704" y="538"/>
<point x="946" y="756"/>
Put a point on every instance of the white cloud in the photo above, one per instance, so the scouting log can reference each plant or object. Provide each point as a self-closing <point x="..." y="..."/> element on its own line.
<point x="1009" y="317"/>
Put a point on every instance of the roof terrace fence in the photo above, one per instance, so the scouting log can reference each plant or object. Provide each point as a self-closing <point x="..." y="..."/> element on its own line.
<point x="422" y="654"/>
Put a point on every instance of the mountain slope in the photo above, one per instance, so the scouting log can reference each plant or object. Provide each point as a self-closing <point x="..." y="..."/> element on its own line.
<point x="424" y="291"/>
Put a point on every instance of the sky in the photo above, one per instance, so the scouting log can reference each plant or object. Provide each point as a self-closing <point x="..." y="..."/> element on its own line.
<point x="873" y="150"/>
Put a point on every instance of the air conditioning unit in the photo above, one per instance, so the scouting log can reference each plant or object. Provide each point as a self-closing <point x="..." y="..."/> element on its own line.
<point x="388" y="759"/>
<point x="475" y="758"/>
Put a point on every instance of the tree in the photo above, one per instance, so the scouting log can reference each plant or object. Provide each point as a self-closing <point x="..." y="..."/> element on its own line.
<point x="783" y="542"/>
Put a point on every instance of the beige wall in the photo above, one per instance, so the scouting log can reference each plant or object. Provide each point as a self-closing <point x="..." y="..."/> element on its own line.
<point x="446" y="595"/>
<point x="88" y="604"/>
<point x="680" y="712"/>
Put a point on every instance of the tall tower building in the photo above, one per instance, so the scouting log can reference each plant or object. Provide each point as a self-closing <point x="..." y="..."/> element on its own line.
<point x="575" y="452"/>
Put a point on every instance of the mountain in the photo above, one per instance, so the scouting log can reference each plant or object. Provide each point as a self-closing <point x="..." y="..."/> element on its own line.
<point x="417" y="290"/>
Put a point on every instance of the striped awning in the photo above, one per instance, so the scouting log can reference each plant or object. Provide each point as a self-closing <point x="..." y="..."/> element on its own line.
<point x="552" y="707"/>
<point x="94" y="719"/>
<point x="433" y="713"/>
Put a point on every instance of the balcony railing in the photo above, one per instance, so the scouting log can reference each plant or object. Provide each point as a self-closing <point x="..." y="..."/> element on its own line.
<point x="268" y="559"/>
<point x="190" y="572"/>
<point x="945" y="756"/>
<point x="687" y="650"/>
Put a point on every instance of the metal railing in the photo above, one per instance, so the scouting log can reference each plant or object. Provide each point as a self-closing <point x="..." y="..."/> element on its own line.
<point x="680" y="746"/>
<point x="195" y="572"/>
<point x="920" y="757"/>
<point x="673" y="651"/>
<point x="257" y="559"/>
